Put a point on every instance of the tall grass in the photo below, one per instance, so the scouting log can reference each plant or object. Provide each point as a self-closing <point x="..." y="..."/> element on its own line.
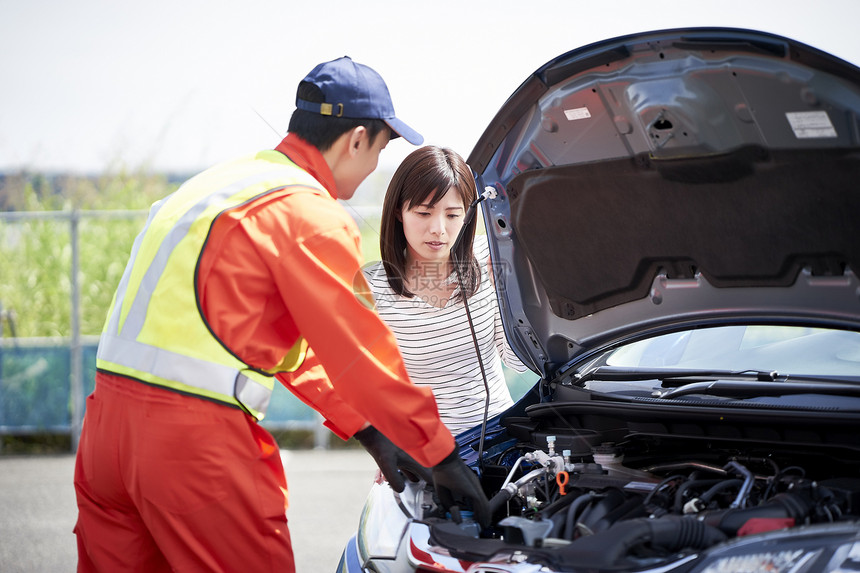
<point x="35" y="254"/>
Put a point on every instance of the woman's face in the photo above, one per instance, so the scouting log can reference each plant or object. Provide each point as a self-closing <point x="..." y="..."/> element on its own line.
<point x="431" y="231"/>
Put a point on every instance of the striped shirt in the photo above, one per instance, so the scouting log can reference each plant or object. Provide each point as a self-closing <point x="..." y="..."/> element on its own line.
<point x="438" y="349"/>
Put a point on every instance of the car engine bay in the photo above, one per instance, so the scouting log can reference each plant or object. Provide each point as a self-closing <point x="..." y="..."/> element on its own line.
<point x="599" y="484"/>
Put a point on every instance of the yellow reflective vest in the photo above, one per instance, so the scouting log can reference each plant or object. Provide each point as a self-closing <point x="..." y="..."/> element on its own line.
<point x="154" y="331"/>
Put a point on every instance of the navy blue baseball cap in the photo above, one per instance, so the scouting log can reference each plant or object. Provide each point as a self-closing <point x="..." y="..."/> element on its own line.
<point x="356" y="91"/>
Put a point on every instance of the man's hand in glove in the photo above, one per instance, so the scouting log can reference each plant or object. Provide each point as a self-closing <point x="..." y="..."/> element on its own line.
<point x="456" y="483"/>
<point x="390" y="459"/>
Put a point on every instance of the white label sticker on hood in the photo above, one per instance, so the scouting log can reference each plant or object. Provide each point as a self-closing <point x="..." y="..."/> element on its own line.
<point x="810" y="124"/>
<point x="578" y="113"/>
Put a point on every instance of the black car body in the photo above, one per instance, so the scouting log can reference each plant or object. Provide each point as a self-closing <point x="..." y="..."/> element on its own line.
<point x="673" y="219"/>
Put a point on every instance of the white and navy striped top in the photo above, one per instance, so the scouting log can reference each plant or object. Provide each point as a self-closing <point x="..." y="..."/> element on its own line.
<point x="438" y="349"/>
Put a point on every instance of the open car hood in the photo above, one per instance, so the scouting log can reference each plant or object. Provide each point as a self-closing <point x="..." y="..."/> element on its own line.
<point x="671" y="179"/>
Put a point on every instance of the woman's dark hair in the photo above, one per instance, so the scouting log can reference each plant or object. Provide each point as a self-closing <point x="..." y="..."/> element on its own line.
<point x="322" y="131"/>
<point x="423" y="178"/>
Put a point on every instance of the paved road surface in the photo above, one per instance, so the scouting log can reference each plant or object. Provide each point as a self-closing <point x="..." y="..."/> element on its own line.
<point x="38" y="512"/>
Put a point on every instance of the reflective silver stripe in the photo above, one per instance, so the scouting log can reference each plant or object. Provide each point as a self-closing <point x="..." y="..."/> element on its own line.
<point x="192" y="372"/>
<point x="252" y="395"/>
<point x="113" y="325"/>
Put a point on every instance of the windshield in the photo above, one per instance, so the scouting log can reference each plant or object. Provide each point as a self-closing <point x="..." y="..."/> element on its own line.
<point x="784" y="349"/>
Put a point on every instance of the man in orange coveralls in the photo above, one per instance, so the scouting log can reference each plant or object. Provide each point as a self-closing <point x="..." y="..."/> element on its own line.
<point x="250" y="273"/>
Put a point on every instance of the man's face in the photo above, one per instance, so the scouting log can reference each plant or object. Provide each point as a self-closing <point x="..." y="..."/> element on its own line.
<point x="361" y="164"/>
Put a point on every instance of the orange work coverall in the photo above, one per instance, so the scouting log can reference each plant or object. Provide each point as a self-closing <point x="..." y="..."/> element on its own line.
<point x="172" y="482"/>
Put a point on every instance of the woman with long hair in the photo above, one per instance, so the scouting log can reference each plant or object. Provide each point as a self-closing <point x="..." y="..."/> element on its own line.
<point x="421" y="284"/>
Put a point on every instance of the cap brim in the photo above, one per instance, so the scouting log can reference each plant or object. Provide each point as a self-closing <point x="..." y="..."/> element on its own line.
<point x="404" y="131"/>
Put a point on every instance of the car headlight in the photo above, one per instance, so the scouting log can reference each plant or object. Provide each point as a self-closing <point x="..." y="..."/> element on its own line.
<point x="382" y="524"/>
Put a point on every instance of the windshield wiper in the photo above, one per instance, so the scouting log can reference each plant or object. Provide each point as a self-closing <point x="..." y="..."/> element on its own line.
<point x="746" y="389"/>
<point x="620" y="374"/>
<point x="722" y="382"/>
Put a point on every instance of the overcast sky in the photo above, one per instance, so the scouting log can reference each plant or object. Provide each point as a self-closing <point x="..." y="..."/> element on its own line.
<point x="94" y="85"/>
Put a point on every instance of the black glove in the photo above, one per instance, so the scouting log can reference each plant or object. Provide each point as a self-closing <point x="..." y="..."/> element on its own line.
<point x="455" y="482"/>
<point x="390" y="459"/>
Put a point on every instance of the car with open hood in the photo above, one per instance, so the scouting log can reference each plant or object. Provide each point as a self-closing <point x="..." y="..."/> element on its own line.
<point x="674" y="223"/>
